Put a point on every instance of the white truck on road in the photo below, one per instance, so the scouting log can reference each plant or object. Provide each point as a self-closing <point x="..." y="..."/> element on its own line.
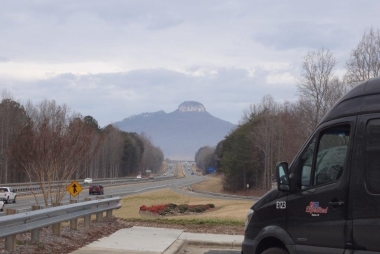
<point x="7" y="194"/>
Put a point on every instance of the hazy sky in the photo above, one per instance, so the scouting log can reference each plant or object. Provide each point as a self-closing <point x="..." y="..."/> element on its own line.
<point x="113" y="59"/>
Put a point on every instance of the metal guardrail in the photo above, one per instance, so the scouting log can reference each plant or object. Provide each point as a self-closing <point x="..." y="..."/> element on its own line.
<point x="33" y="221"/>
<point x="34" y="185"/>
<point x="25" y="189"/>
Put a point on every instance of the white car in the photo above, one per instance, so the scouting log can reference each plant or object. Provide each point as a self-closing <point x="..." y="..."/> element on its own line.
<point x="8" y="194"/>
<point x="1" y="205"/>
<point x="87" y="180"/>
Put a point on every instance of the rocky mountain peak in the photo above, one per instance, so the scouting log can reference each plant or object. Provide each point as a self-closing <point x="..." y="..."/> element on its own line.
<point x="191" y="106"/>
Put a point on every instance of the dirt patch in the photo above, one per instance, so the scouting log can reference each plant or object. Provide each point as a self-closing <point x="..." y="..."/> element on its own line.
<point x="68" y="241"/>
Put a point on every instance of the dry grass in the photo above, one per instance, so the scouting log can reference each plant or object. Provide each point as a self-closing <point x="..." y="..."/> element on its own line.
<point x="227" y="210"/>
<point x="178" y="172"/>
<point x="213" y="184"/>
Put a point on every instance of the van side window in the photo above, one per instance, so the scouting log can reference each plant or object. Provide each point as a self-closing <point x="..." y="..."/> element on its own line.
<point x="306" y="164"/>
<point x="331" y="155"/>
<point x="372" y="159"/>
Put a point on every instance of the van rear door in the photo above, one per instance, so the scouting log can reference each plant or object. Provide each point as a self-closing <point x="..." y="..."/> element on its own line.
<point x="317" y="206"/>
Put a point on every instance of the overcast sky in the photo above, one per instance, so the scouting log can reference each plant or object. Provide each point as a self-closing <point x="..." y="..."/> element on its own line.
<point x="114" y="59"/>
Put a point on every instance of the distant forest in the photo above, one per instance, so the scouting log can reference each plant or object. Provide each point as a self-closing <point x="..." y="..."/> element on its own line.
<point x="47" y="142"/>
<point x="271" y="132"/>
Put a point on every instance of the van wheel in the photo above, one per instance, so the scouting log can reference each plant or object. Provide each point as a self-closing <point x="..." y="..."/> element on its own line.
<point x="275" y="251"/>
<point x="14" y="200"/>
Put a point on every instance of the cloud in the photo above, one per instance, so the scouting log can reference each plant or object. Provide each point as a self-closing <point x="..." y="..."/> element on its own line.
<point x="4" y="59"/>
<point x="114" y="96"/>
<point x="294" y="35"/>
<point x="115" y="60"/>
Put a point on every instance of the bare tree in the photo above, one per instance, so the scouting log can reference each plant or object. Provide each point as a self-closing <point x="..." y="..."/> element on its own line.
<point x="52" y="147"/>
<point x="364" y="61"/>
<point x="316" y="84"/>
<point x="12" y="117"/>
<point x="266" y="135"/>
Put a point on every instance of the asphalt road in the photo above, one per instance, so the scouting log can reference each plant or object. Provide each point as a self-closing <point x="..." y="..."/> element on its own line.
<point x="129" y="188"/>
<point x="25" y="202"/>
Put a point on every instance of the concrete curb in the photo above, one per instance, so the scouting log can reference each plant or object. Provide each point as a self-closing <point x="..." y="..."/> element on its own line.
<point x="176" y="247"/>
<point x="179" y="245"/>
<point x="234" y="244"/>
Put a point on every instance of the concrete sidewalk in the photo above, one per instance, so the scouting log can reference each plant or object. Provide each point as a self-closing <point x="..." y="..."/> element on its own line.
<point x="144" y="240"/>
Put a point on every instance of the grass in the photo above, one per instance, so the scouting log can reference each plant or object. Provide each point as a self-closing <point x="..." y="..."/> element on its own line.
<point x="213" y="184"/>
<point x="178" y="172"/>
<point x="227" y="212"/>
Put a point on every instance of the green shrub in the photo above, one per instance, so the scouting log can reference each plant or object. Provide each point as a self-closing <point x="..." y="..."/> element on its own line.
<point x="183" y="207"/>
<point x="172" y="206"/>
<point x="198" y="209"/>
<point x="211" y="205"/>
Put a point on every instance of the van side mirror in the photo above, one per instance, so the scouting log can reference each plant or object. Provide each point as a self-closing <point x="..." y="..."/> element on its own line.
<point x="282" y="176"/>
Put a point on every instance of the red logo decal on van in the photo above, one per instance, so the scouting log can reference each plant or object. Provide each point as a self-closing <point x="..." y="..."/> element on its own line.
<point x="314" y="207"/>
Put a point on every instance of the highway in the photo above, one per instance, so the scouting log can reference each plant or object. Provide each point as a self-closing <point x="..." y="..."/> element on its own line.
<point x="125" y="189"/>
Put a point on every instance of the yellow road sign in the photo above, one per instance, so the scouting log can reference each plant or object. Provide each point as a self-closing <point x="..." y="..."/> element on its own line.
<point x="74" y="188"/>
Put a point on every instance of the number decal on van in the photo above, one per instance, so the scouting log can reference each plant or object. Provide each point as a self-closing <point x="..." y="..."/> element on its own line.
<point x="281" y="205"/>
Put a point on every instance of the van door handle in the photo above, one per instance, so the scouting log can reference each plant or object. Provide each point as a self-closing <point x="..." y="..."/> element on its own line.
<point x="336" y="203"/>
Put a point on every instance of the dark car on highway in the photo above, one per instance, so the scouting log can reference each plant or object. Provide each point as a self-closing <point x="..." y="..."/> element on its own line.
<point x="96" y="188"/>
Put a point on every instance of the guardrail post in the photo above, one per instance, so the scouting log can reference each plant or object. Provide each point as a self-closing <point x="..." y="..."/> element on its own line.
<point x="10" y="211"/>
<point x="35" y="234"/>
<point x="57" y="226"/>
<point x="109" y="214"/>
<point x="10" y="242"/>
<point x="87" y="221"/>
<point x="99" y="217"/>
<point x="57" y="229"/>
<point x="73" y="222"/>
<point x="36" y="207"/>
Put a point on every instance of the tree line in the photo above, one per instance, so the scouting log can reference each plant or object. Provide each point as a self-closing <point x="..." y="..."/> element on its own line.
<point x="270" y="132"/>
<point x="47" y="143"/>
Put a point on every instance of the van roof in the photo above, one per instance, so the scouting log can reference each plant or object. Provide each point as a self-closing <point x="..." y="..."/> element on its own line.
<point x="363" y="98"/>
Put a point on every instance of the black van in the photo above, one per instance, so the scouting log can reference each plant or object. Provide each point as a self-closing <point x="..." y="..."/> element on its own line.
<point x="328" y="199"/>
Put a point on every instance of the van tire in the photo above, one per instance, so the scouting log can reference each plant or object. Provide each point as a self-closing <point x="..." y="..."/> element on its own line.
<point x="275" y="251"/>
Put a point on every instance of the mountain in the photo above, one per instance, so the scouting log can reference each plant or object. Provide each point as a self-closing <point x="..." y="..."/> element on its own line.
<point x="180" y="133"/>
